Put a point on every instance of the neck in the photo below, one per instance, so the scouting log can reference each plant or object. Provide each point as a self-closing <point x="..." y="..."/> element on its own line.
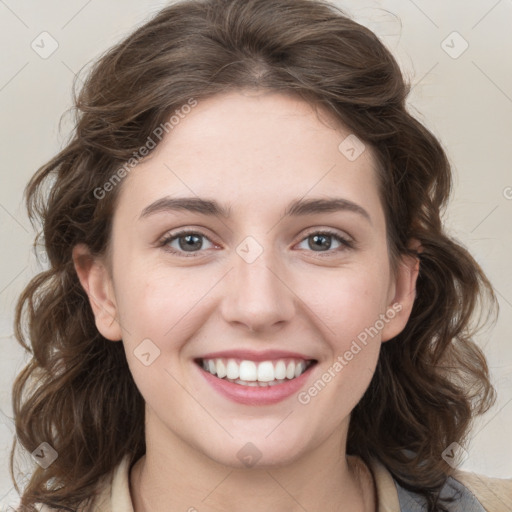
<point x="175" y="476"/>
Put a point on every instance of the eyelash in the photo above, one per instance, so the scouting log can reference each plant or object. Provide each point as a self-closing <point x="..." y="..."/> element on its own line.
<point x="347" y="244"/>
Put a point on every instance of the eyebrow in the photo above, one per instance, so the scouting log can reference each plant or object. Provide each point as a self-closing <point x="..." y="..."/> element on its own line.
<point x="298" y="207"/>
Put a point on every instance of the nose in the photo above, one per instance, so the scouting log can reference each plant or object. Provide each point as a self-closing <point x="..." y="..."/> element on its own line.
<point x="257" y="295"/>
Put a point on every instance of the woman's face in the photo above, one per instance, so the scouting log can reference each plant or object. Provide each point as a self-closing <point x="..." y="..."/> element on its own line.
<point x="265" y="289"/>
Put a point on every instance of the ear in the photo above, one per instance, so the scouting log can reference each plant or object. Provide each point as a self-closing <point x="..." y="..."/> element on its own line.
<point x="400" y="306"/>
<point x="97" y="283"/>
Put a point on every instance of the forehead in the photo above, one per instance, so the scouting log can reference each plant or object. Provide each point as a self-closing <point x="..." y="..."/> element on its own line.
<point x="255" y="149"/>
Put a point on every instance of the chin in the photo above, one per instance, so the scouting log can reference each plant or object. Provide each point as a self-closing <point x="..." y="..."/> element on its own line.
<point x="255" y="454"/>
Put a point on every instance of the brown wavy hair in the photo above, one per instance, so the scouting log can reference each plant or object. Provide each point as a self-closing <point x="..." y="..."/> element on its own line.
<point x="77" y="393"/>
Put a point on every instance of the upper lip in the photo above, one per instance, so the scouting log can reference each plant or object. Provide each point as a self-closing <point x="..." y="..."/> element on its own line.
<point x="251" y="355"/>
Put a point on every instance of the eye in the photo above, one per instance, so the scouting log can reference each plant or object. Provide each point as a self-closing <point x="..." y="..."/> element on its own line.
<point x="189" y="242"/>
<point x="323" y="240"/>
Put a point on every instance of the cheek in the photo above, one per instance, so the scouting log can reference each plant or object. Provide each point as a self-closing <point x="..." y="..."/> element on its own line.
<point x="168" y="308"/>
<point x="152" y="297"/>
<point x="350" y="301"/>
<point x="350" y="312"/>
<point x="157" y="317"/>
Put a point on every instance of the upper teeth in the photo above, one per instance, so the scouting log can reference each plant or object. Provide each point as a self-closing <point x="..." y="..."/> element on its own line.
<point x="265" y="371"/>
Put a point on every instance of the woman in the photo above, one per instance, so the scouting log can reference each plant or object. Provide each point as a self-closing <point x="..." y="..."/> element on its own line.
<point x="251" y="302"/>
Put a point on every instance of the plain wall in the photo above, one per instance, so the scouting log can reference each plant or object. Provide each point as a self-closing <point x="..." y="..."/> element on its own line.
<point x="466" y="100"/>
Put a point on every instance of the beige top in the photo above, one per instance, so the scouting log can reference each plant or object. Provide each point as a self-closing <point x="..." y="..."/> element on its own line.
<point x="480" y="493"/>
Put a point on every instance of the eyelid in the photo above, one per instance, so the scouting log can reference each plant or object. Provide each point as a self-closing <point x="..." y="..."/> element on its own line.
<point x="174" y="235"/>
<point x="346" y="241"/>
<point x="327" y="231"/>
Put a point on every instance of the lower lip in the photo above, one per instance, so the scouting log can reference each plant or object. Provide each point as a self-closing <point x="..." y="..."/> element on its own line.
<point x="255" y="395"/>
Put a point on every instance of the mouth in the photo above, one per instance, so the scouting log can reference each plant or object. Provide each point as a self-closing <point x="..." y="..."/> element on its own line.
<point x="260" y="374"/>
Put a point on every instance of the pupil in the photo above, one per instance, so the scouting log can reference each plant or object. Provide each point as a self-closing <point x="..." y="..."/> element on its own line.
<point x="325" y="238"/>
<point x="190" y="245"/>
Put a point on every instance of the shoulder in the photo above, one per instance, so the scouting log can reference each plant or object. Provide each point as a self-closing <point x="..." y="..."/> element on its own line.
<point x="494" y="494"/>
<point x="102" y="499"/>
<point x="468" y="492"/>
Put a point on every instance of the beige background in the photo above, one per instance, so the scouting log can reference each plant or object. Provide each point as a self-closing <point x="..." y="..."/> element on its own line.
<point x="466" y="101"/>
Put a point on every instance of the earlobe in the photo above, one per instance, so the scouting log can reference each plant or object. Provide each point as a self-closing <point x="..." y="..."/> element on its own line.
<point x="405" y="293"/>
<point x="96" y="281"/>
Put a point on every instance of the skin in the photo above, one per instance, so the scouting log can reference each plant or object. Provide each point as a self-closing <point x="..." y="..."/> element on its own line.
<point x="255" y="152"/>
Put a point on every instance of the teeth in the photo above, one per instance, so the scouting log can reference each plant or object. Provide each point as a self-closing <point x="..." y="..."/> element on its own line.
<point x="280" y="370"/>
<point x="250" y="373"/>
<point x="220" y="369"/>
<point x="290" y="370"/>
<point x="265" y="371"/>
<point x="248" y="370"/>
<point x="256" y="383"/>
<point x="233" y="371"/>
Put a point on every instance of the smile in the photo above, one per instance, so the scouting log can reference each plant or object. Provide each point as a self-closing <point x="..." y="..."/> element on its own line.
<point x="253" y="373"/>
<point x="253" y="383"/>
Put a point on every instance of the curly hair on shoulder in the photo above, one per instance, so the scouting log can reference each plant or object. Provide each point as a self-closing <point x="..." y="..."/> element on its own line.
<point x="77" y="393"/>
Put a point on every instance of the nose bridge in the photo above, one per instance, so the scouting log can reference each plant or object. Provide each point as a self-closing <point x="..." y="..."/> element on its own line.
<point x="257" y="294"/>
